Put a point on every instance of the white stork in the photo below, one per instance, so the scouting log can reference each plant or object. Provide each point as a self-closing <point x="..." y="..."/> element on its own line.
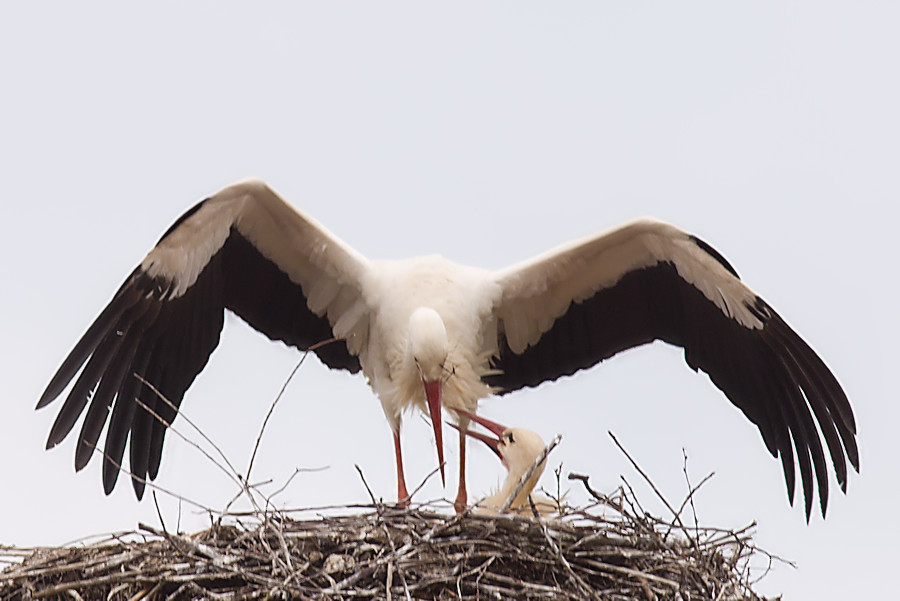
<point x="518" y="450"/>
<point x="428" y="332"/>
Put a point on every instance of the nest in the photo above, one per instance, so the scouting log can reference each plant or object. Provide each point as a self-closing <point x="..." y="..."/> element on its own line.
<point x="609" y="550"/>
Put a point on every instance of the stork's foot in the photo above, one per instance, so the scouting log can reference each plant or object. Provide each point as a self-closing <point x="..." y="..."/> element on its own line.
<point x="403" y="497"/>
<point x="461" y="502"/>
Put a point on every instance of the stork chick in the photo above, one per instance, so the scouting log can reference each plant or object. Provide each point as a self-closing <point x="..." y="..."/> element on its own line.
<point x="518" y="449"/>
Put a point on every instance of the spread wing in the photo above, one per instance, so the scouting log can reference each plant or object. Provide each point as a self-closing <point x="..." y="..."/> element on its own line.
<point x="243" y="249"/>
<point x="582" y="303"/>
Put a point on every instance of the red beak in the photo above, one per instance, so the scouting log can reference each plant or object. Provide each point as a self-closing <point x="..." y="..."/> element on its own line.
<point x="433" y="398"/>
<point x="497" y="429"/>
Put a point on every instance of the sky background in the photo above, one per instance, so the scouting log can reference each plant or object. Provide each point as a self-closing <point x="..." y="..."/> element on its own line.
<point x="486" y="132"/>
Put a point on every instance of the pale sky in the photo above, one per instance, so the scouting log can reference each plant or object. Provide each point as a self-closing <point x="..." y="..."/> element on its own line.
<point x="486" y="132"/>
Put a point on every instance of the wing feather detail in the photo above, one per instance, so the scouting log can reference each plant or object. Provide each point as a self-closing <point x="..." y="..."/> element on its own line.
<point x="662" y="284"/>
<point x="243" y="249"/>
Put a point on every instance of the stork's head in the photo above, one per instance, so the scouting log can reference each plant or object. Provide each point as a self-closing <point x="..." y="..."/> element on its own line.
<point x="517" y="448"/>
<point x="428" y="348"/>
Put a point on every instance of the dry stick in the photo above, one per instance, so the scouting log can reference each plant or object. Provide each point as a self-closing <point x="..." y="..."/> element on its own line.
<point x="203" y="550"/>
<point x="234" y="474"/>
<point x="279" y="532"/>
<point x="283" y="544"/>
<point x="687" y="479"/>
<point x="396" y="555"/>
<point x="692" y="493"/>
<point x="389" y="581"/>
<point x="297" y="470"/>
<point x="146" y="482"/>
<point x="246" y="487"/>
<point x="314" y="509"/>
<point x="159" y="513"/>
<point x="424" y="480"/>
<point x="530" y="472"/>
<point x="387" y="534"/>
<point x="631" y="498"/>
<point x="690" y="497"/>
<point x="243" y="483"/>
<point x="284" y="386"/>
<point x="177" y="540"/>
<point x="691" y="490"/>
<point x="603" y="499"/>
<point x="632" y="517"/>
<point x="243" y="490"/>
<point x="481" y="569"/>
<point x="558" y="497"/>
<point x="559" y="556"/>
<point x="606" y="501"/>
<point x="272" y="409"/>
<point x="656" y="490"/>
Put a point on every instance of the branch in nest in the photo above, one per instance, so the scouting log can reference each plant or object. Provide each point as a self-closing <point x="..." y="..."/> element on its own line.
<point x="399" y="553"/>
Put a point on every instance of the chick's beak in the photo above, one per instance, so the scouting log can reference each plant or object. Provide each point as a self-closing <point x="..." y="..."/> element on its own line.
<point x="497" y="429"/>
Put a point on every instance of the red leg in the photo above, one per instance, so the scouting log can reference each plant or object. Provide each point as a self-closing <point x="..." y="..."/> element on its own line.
<point x="461" y="496"/>
<point x="402" y="494"/>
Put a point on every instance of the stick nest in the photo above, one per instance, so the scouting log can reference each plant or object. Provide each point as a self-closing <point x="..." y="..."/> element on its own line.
<point x="610" y="550"/>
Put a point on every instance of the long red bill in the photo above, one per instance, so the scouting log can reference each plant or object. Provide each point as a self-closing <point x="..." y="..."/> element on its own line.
<point x="494" y="427"/>
<point x="433" y="397"/>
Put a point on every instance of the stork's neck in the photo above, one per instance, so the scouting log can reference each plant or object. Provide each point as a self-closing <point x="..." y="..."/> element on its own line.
<point x="512" y="479"/>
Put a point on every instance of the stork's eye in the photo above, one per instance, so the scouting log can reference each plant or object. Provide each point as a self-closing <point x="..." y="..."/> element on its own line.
<point x="449" y="373"/>
<point x="509" y="438"/>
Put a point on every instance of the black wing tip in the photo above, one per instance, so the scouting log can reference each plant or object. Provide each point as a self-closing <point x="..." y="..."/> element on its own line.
<point x="138" y="484"/>
<point x="110" y="476"/>
<point x="823" y="506"/>
<point x="55" y="437"/>
<point x="83" y="455"/>
<point x="808" y="503"/>
<point x="45" y="400"/>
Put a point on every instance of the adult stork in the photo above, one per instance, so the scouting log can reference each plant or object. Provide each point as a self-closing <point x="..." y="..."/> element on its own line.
<point x="427" y="332"/>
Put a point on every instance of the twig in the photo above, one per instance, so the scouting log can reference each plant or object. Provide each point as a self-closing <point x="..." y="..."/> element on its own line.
<point x="690" y="496"/>
<point x="656" y="490"/>
<point x="262" y="428"/>
<point x="387" y="534"/>
<point x="691" y="490"/>
<point x="148" y="483"/>
<point x="233" y="474"/>
<point x="425" y="480"/>
<point x="561" y="558"/>
<point x="284" y="386"/>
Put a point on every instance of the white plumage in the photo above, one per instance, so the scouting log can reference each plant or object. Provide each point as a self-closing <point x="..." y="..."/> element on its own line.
<point x="429" y="333"/>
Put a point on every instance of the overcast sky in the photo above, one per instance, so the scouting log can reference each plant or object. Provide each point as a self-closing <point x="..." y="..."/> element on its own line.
<point x="486" y="132"/>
